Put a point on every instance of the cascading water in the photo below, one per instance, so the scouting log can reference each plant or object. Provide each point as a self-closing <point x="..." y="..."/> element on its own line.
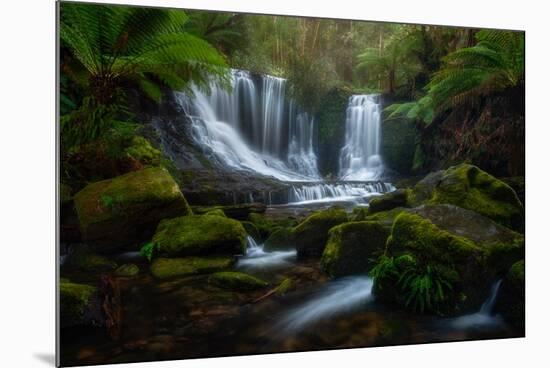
<point x="338" y="296"/>
<point x="254" y="129"/>
<point x="360" y="156"/>
<point x="485" y="316"/>
<point x="347" y="192"/>
<point x="257" y="258"/>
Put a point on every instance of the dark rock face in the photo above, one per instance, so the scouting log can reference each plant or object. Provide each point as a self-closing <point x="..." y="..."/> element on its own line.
<point x="511" y="298"/>
<point x="280" y="239"/>
<point x="331" y="120"/>
<point x="398" y="144"/>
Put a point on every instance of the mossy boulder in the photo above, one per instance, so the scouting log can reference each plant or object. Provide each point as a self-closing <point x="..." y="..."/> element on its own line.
<point x="469" y="248"/>
<point x="285" y="286"/>
<point x="127" y="270"/>
<point x="280" y="239"/>
<point x="166" y="268"/>
<point x="123" y="212"/>
<point x="79" y="304"/>
<point x="389" y="201"/>
<point x="236" y="281"/>
<point x="511" y="298"/>
<point x="352" y="247"/>
<point x="252" y="230"/>
<point x="469" y="187"/>
<point x="385" y="218"/>
<point x="216" y="212"/>
<point x="310" y="236"/>
<point x="141" y="150"/>
<point x="82" y="259"/>
<point x="200" y="235"/>
<point x="398" y="144"/>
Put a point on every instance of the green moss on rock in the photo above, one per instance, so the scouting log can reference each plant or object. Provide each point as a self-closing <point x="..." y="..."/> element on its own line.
<point x="310" y="236"/>
<point x="352" y="247"/>
<point x="389" y="201"/>
<point x="216" y="212"/>
<point x="280" y="239"/>
<point x="285" y="286"/>
<point x="237" y="281"/>
<point x="76" y="303"/>
<point x="65" y="193"/>
<point x="82" y="259"/>
<point x="200" y="235"/>
<point x="127" y="270"/>
<point x="141" y="150"/>
<point x="511" y="299"/>
<point x="469" y="187"/>
<point x="166" y="268"/>
<point x="125" y="210"/>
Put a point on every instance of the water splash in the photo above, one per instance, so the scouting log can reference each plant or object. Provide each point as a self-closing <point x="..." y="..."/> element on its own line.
<point x="360" y="157"/>
<point x="357" y="193"/>
<point x="257" y="258"/>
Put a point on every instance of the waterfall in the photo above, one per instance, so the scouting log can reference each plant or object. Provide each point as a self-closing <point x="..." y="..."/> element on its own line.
<point x="254" y="127"/>
<point x="360" y="156"/>
<point x="257" y="258"/>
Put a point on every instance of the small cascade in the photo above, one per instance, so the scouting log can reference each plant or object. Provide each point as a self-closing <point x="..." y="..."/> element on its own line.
<point x="257" y="258"/>
<point x="345" y="192"/>
<point x="336" y="297"/>
<point x="360" y="157"/>
<point x="485" y="316"/>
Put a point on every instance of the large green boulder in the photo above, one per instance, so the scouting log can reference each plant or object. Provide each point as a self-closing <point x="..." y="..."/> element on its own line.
<point x="78" y="304"/>
<point x="124" y="211"/>
<point x="511" y="297"/>
<point x="469" y="187"/>
<point x="166" y="268"/>
<point x="280" y="239"/>
<point x="310" y="236"/>
<point x="352" y="247"/>
<point x="236" y="281"/>
<point x="398" y="144"/>
<point x="464" y="249"/>
<point x="199" y="235"/>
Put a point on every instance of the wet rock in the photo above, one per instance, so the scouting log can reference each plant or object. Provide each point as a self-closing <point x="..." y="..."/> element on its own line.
<point x="200" y="235"/>
<point x="352" y="247"/>
<point x="511" y="298"/>
<point x="127" y="270"/>
<point x="166" y="268"/>
<point x="280" y="239"/>
<point x="79" y="304"/>
<point x="125" y="210"/>
<point x="310" y="236"/>
<point x="82" y="259"/>
<point x="237" y="281"/>
<point x="388" y="201"/>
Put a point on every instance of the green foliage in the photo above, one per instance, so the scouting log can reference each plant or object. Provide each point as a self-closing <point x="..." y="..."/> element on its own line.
<point x="495" y="63"/>
<point x="148" y="250"/>
<point x="422" y="287"/>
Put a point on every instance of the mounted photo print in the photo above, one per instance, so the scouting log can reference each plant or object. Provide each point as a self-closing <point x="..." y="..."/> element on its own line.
<point x="237" y="184"/>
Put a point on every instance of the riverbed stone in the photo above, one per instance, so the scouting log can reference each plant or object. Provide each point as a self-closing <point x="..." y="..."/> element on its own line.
<point x="310" y="236"/>
<point x="123" y="212"/>
<point x="236" y="281"/>
<point x="280" y="239"/>
<point x="78" y="304"/>
<point x="252" y="230"/>
<point x="352" y="247"/>
<point x="127" y="270"/>
<point x="167" y="268"/>
<point x="82" y="259"/>
<point x="200" y="235"/>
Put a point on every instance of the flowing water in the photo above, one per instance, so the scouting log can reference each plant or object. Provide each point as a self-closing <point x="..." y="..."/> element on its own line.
<point x="360" y="157"/>
<point x="484" y="317"/>
<point x="257" y="259"/>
